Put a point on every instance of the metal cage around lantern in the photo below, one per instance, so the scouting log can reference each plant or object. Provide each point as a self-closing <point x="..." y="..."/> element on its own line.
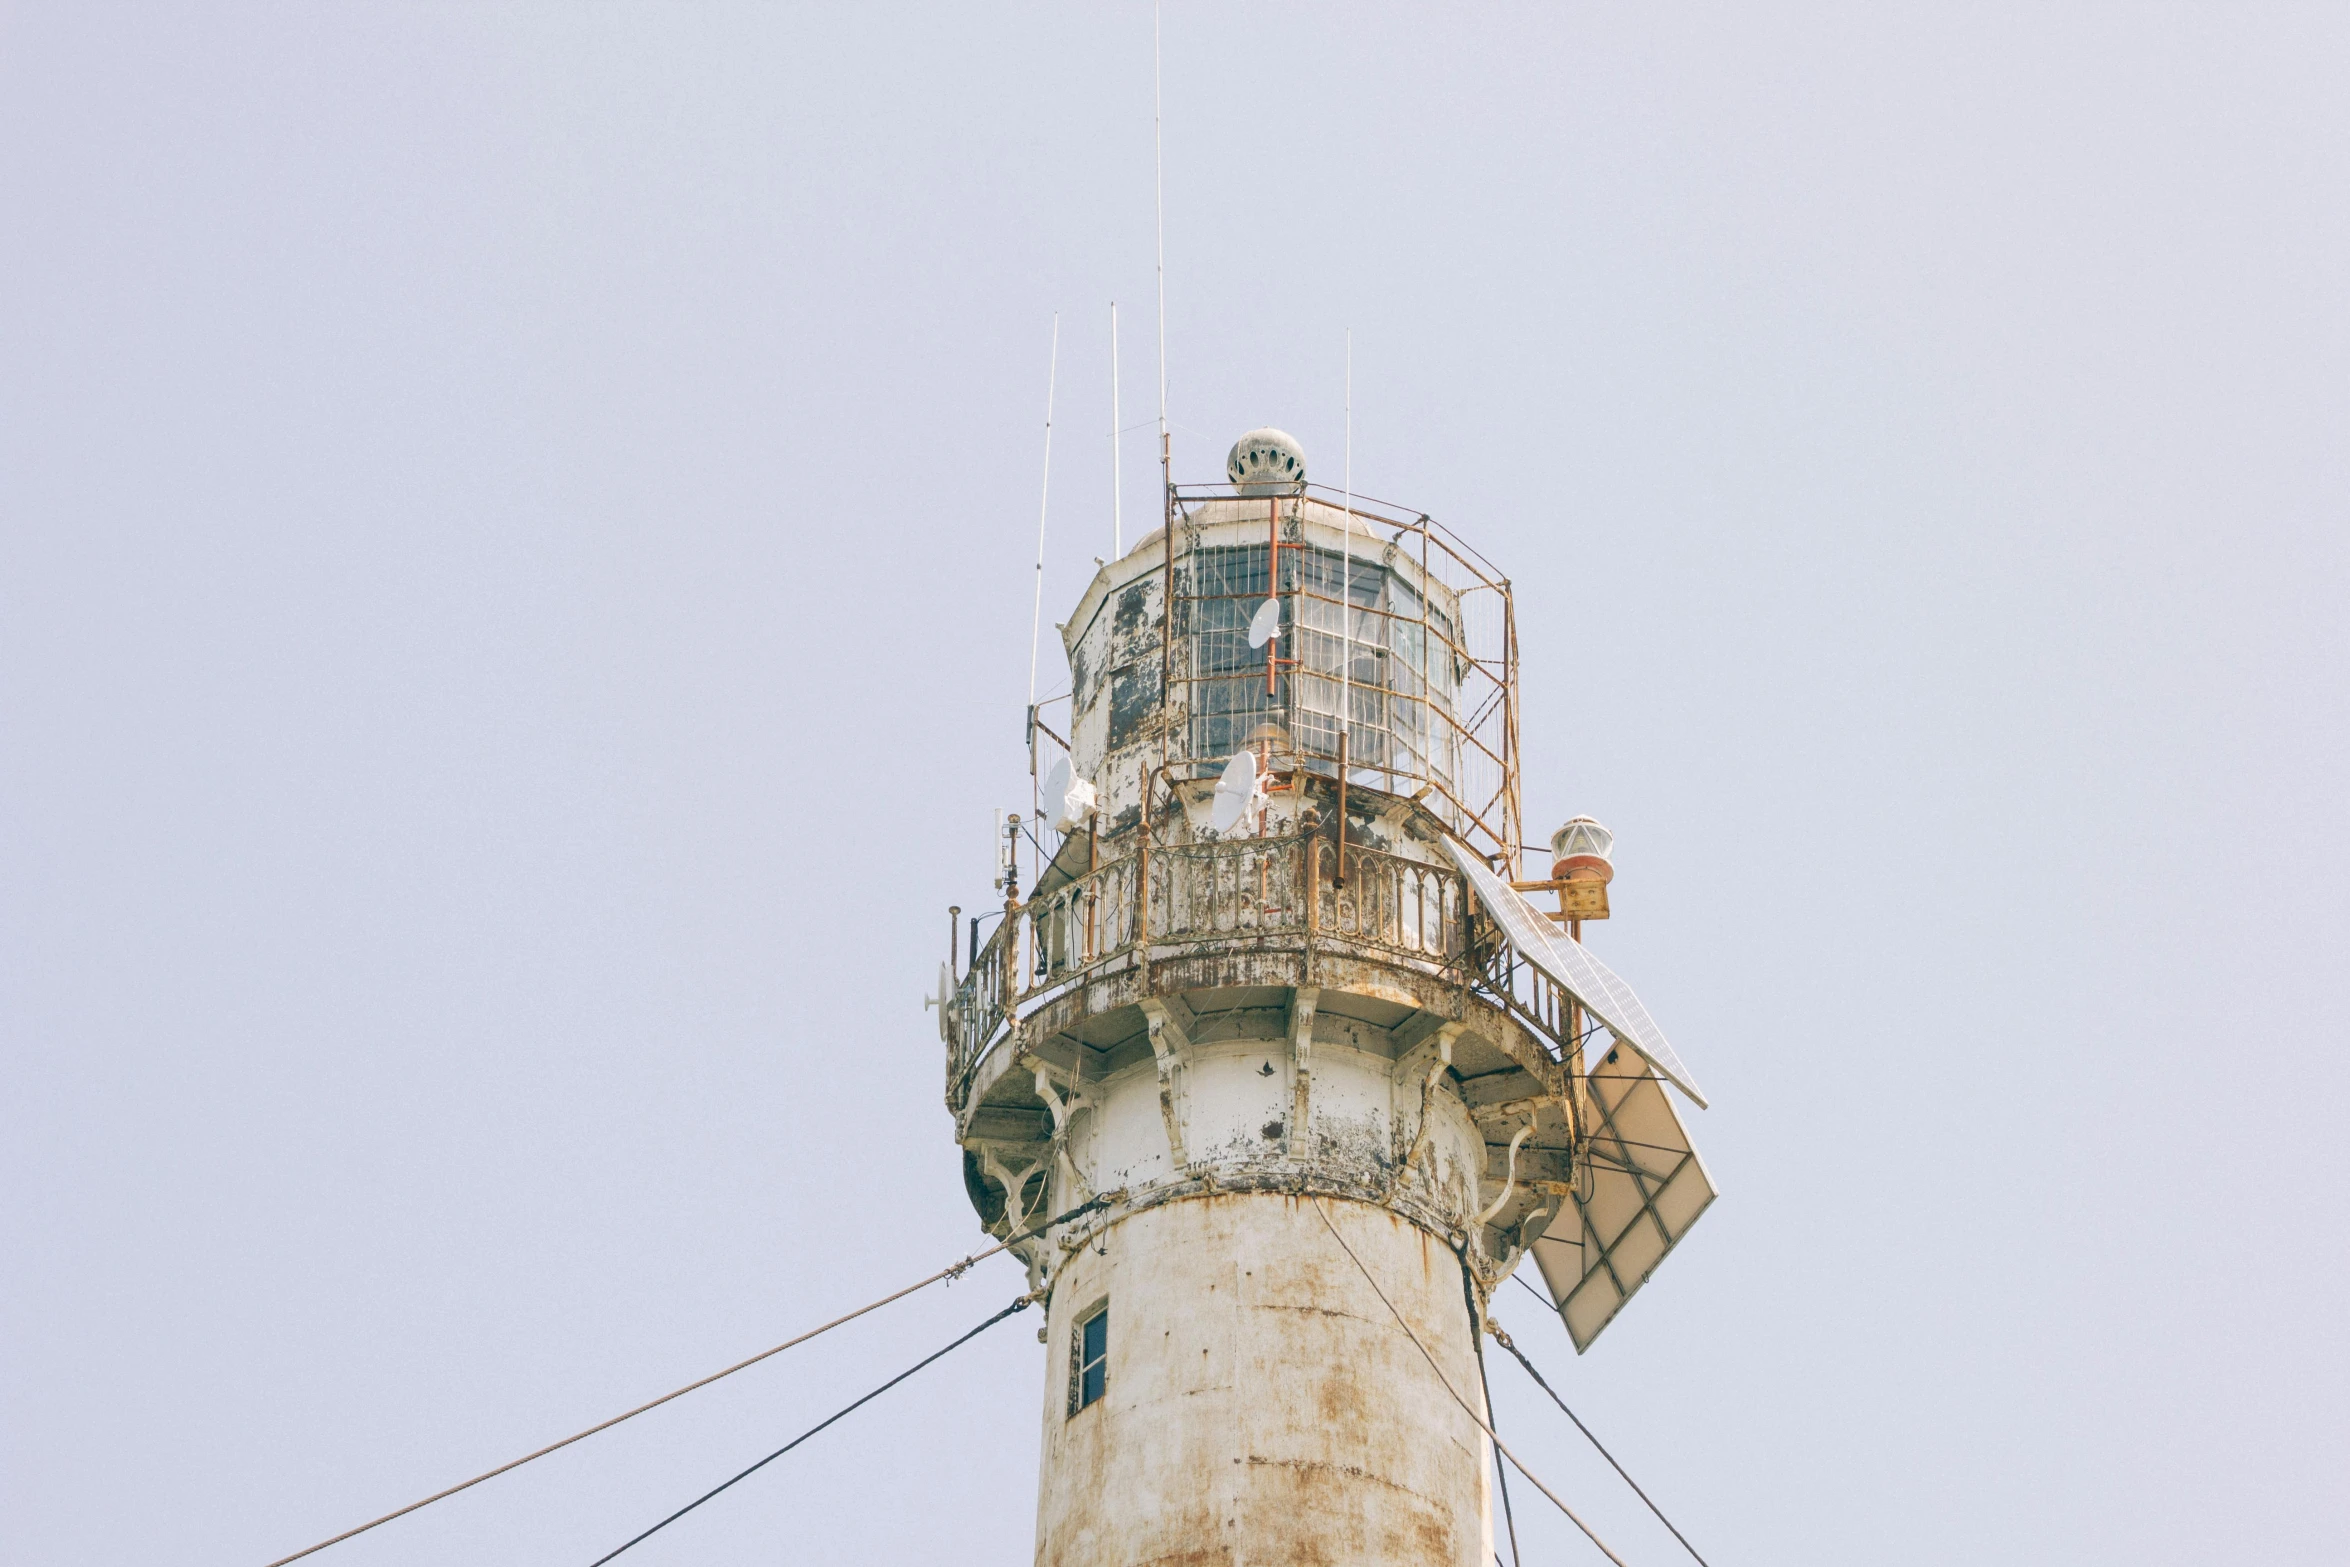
<point x="1397" y="650"/>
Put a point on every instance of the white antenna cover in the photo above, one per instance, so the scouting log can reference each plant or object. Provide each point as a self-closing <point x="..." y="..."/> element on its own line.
<point x="1073" y="798"/>
<point x="1236" y="791"/>
<point x="942" y="999"/>
<point x="1265" y="624"/>
<point x="1078" y="805"/>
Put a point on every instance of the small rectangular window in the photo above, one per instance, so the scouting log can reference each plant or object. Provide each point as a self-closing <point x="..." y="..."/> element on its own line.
<point x="1089" y="1357"/>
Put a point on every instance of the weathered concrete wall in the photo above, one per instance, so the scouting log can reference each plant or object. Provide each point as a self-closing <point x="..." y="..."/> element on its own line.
<point x="1261" y="1405"/>
<point x="1234" y="1102"/>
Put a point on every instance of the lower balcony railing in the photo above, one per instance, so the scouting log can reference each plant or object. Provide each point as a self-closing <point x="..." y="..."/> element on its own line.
<point x="1172" y="899"/>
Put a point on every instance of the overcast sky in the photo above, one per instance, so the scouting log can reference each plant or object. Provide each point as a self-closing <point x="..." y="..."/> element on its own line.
<point x="515" y="553"/>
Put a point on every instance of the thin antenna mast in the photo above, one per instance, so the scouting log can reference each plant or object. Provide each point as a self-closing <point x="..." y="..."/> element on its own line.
<point x="1346" y="609"/>
<point x="1159" y="186"/>
<point x="1117" y="498"/>
<point x="1346" y="591"/>
<point x="1043" y="507"/>
<point x="1166" y="460"/>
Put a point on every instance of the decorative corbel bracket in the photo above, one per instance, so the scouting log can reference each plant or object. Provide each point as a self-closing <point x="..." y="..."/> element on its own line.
<point x="1170" y="1032"/>
<point x="1064" y="1108"/>
<point x="1445" y="1035"/>
<point x="1301" y="1045"/>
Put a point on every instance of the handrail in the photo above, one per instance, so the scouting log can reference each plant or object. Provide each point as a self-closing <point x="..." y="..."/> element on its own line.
<point x="1191" y="895"/>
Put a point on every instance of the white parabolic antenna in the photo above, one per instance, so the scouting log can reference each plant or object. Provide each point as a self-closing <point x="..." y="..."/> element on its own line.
<point x="1073" y="798"/>
<point x="942" y="1000"/>
<point x="1235" y="791"/>
<point x="1265" y="624"/>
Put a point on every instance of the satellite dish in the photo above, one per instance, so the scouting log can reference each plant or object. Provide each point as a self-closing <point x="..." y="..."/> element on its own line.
<point x="943" y="999"/>
<point x="1072" y="798"/>
<point x="1265" y="625"/>
<point x="1236" y="791"/>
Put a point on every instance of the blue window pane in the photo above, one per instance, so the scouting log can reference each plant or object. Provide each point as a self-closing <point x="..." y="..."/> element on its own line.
<point x="1093" y="1341"/>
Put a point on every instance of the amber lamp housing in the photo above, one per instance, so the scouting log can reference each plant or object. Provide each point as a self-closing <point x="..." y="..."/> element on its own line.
<point x="1579" y="852"/>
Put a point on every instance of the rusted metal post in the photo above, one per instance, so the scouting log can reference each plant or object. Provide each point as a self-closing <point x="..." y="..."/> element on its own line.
<point x="1339" y="877"/>
<point x="1010" y="935"/>
<point x="1142" y="885"/>
<point x="1313" y="872"/>
<point x="1272" y="591"/>
<point x="1514" y="820"/>
<point x="1577" y="1085"/>
<point x="1166" y="572"/>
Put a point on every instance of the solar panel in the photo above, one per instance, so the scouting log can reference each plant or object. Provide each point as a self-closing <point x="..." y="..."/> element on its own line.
<point x="1641" y="1187"/>
<point x="1574" y="970"/>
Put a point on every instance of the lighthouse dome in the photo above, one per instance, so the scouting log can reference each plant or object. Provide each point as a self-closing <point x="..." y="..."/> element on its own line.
<point x="1267" y="462"/>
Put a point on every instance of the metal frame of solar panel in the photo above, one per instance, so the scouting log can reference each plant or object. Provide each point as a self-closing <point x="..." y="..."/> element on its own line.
<point x="1573" y="969"/>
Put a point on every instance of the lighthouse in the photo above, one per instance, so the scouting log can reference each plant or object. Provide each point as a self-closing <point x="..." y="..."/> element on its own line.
<point x="1267" y="1004"/>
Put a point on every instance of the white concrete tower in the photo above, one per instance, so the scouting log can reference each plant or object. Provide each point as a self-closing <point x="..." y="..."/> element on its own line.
<point x="1303" y="1031"/>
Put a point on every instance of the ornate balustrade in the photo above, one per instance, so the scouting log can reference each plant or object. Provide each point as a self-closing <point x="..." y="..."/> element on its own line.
<point x="1171" y="899"/>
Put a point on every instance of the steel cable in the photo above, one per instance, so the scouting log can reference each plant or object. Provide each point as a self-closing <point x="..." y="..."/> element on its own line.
<point x="1019" y="1305"/>
<point x="1508" y="1516"/>
<point x="1503" y="1339"/>
<point x="1323" y="1208"/>
<point x="954" y="1271"/>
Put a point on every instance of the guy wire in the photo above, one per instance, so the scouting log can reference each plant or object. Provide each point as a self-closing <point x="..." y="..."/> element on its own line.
<point x="1019" y="1305"/>
<point x="1503" y="1339"/>
<point x="955" y="1271"/>
<point x="1323" y="1208"/>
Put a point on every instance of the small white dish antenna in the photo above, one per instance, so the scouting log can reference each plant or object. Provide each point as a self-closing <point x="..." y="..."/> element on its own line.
<point x="1073" y="799"/>
<point x="1236" y="792"/>
<point x="943" y="999"/>
<point x="1265" y="624"/>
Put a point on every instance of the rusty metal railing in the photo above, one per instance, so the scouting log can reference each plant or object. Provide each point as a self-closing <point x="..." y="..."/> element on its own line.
<point x="1403" y="906"/>
<point x="1172" y="899"/>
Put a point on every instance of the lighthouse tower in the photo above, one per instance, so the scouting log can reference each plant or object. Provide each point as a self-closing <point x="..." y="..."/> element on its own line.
<point x="1268" y="990"/>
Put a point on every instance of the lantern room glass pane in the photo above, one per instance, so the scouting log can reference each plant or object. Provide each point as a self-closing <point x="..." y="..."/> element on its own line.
<point x="1360" y="637"/>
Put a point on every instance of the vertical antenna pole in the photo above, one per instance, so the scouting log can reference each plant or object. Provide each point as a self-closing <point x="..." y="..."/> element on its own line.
<point x="1043" y="509"/>
<point x="1117" y="486"/>
<point x="1043" y="505"/>
<point x="1346" y="607"/>
<point x="1272" y="591"/>
<point x="1159" y="200"/>
<point x="1166" y="458"/>
<point x="1514" y="807"/>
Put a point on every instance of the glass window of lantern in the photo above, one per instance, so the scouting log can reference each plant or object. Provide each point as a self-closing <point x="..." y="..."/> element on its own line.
<point x="1333" y="610"/>
<point x="1387" y="688"/>
<point x="1227" y="677"/>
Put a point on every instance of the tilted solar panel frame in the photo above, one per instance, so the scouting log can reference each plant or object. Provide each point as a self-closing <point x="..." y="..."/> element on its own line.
<point x="1571" y="967"/>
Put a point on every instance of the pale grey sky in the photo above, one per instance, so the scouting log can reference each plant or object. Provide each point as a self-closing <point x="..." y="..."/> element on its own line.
<point x="515" y="533"/>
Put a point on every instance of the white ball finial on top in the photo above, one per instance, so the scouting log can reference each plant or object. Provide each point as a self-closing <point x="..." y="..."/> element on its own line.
<point x="1267" y="462"/>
